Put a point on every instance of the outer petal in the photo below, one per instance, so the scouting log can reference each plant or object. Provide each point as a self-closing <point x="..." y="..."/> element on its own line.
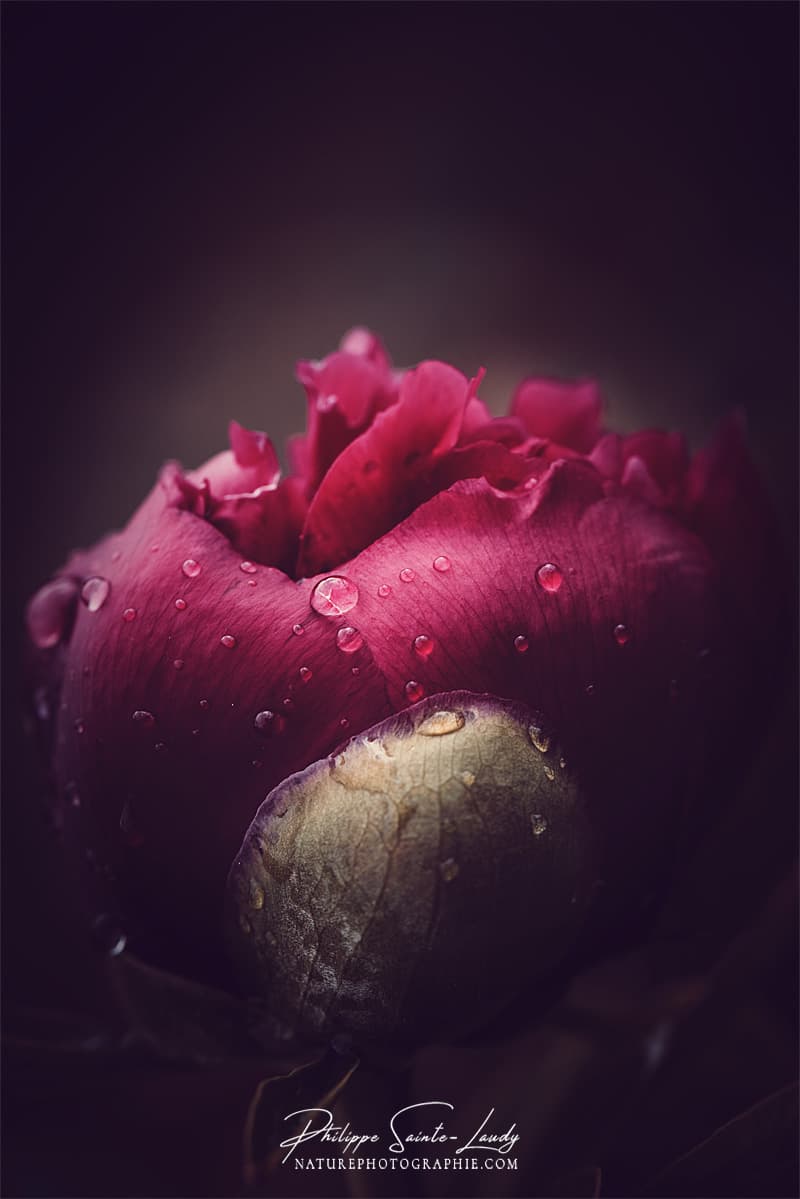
<point x="375" y="482"/>
<point x="568" y="413"/>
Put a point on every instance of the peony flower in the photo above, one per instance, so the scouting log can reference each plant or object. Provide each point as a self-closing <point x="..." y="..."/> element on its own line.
<point x="244" y="625"/>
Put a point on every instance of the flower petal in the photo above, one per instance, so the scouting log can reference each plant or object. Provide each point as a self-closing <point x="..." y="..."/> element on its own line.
<point x="568" y="413"/>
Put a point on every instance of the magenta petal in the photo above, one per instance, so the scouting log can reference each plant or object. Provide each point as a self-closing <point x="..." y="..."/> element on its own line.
<point x="264" y="525"/>
<point x="637" y="480"/>
<point x="366" y="344"/>
<point x="375" y="482"/>
<point x="249" y="464"/>
<point x="567" y="413"/>
<point x="50" y="612"/>
<point x="664" y="454"/>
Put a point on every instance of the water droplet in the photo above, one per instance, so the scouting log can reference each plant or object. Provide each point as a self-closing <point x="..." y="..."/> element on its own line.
<point x="590" y="689"/>
<point x="442" y="564"/>
<point x="424" y="645"/>
<point x="415" y="691"/>
<point x="549" y="577"/>
<point x="191" y="568"/>
<point x="288" y="704"/>
<point x="251" y="582"/>
<point x="621" y="634"/>
<point x="228" y="641"/>
<point x="305" y="674"/>
<point x="180" y="604"/>
<point x="407" y="575"/>
<point x="538" y="824"/>
<point x="384" y="591"/>
<point x="562" y="761"/>
<point x="145" y="719"/>
<point x="439" y="724"/>
<point x="256" y="895"/>
<point x="334" y="596"/>
<point x="256" y="763"/>
<point x="108" y="936"/>
<point x="50" y="612"/>
<point x="80" y="727"/>
<point x="355" y="670"/>
<point x="159" y="747"/>
<point x="467" y="778"/>
<point x="327" y="403"/>
<point x="128" y="615"/>
<point x="268" y="723"/>
<point x="132" y="836"/>
<point x="204" y="704"/>
<point x="349" y="640"/>
<point x="154" y="548"/>
<point x="550" y="773"/>
<point x="298" y="630"/>
<point x="95" y="592"/>
<point x="521" y="644"/>
<point x="179" y="663"/>
<point x="540" y="738"/>
<point x="344" y="722"/>
<point x="249" y="568"/>
<point x="449" y="869"/>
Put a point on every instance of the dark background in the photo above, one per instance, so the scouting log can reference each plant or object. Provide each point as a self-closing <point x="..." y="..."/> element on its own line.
<point x="197" y="195"/>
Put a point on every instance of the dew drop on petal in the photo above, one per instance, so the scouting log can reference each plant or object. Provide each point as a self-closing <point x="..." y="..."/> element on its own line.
<point x="334" y="596"/>
<point x="344" y="722"/>
<point x="327" y="403"/>
<point x="128" y="615"/>
<point x="108" y="936"/>
<point x="204" y="704"/>
<point x="249" y="568"/>
<point x="228" y="641"/>
<point x="195" y="732"/>
<point x="180" y="604"/>
<point x="407" y="575"/>
<point x="467" y="778"/>
<point x="178" y="663"/>
<point x="288" y="704"/>
<point x="191" y="568"/>
<point x="442" y="564"/>
<point x="305" y="674"/>
<point x="384" y="591"/>
<point x="549" y="577"/>
<point x="256" y="763"/>
<point x="621" y="634"/>
<point x="415" y="691"/>
<point x="50" y="611"/>
<point x="298" y="630"/>
<point x="540" y="738"/>
<point x="145" y="719"/>
<point x="550" y="773"/>
<point x="449" y="869"/>
<point x="349" y="640"/>
<point x="521" y="644"/>
<point x="159" y="747"/>
<point x="590" y="689"/>
<point x="439" y="724"/>
<point x="251" y="583"/>
<point x="95" y="592"/>
<point x="80" y="727"/>
<point x="562" y="761"/>
<point x="538" y="824"/>
<point x="424" y="645"/>
<point x="355" y="670"/>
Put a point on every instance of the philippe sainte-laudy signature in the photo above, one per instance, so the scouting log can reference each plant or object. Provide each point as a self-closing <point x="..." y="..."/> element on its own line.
<point x="408" y="1129"/>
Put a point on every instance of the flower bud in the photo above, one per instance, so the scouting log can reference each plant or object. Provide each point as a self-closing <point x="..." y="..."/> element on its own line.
<point x="412" y="884"/>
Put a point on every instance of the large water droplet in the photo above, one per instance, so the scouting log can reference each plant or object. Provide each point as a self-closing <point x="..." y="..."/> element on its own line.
<point x="449" y="869"/>
<point x="540" y="738"/>
<point x="442" y="563"/>
<point x="414" y="690"/>
<point x="180" y="604"/>
<point x="191" y="568"/>
<point x="407" y="575"/>
<point x="128" y="615"/>
<point x="549" y="577"/>
<point x="249" y="568"/>
<point x="621" y="634"/>
<point x="95" y="592"/>
<point x="267" y="723"/>
<point x="384" y="591"/>
<point x="228" y="641"/>
<point x="439" y="724"/>
<point x="108" y="936"/>
<point x="305" y="674"/>
<point x="50" y="611"/>
<point x="538" y="824"/>
<point x="349" y="640"/>
<point x="334" y="596"/>
<point x="424" y="645"/>
<point x="145" y="719"/>
<point x="521" y="644"/>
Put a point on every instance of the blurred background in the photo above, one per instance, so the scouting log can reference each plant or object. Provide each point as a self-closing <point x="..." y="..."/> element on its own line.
<point x="197" y="195"/>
